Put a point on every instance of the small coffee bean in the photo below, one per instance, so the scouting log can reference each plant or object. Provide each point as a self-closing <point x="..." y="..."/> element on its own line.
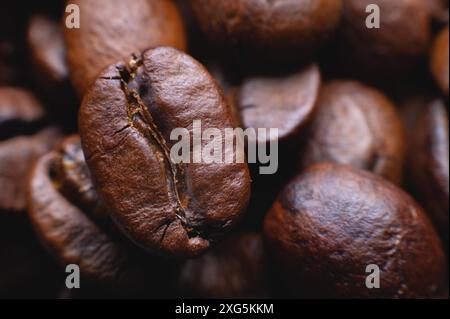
<point x="429" y="162"/>
<point x="332" y="221"/>
<point x="126" y="120"/>
<point x="355" y="125"/>
<point x="439" y="60"/>
<point x="71" y="232"/>
<point x="275" y="32"/>
<point x="23" y="138"/>
<point x="285" y="103"/>
<point x="236" y="268"/>
<point x="113" y="29"/>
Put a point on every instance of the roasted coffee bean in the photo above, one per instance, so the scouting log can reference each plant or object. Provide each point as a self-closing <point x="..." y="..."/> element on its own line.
<point x="439" y="60"/>
<point x="48" y="51"/>
<point x="333" y="221"/>
<point x="358" y="126"/>
<point x="113" y="29"/>
<point x="61" y="207"/>
<point x="23" y="138"/>
<point x="285" y="103"/>
<point x="75" y="183"/>
<point x="403" y="36"/>
<point x="429" y="162"/>
<point x="236" y="268"/>
<point x="126" y="120"/>
<point x="275" y="32"/>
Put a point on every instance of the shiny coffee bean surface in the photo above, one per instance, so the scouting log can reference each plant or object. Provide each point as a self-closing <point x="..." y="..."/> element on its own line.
<point x="126" y="119"/>
<point x="332" y="221"/>
<point x="274" y="32"/>
<point x="114" y="29"/>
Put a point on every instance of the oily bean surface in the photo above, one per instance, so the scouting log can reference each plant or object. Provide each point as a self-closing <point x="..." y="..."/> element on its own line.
<point x="113" y="29"/>
<point x="268" y="32"/>
<point x="126" y="120"/>
<point x="332" y="221"/>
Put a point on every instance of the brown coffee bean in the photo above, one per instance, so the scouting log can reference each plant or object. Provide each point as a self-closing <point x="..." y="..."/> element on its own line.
<point x="48" y="51"/>
<point x="275" y="32"/>
<point x="285" y="102"/>
<point x="439" y="60"/>
<point x="113" y="29"/>
<point x="236" y="268"/>
<point x="23" y="138"/>
<point x="126" y="120"/>
<point x="69" y="228"/>
<point x="358" y="126"/>
<point x="74" y="181"/>
<point x="332" y="221"/>
<point x="429" y="162"/>
<point x="403" y="36"/>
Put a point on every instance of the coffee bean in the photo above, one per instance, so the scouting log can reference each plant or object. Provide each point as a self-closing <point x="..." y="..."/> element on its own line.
<point x="356" y="125"/>
<point x="126" y="120"/>
<point x="332" y="221"/>
<point x="48" y="50"/>
<point x="439" y="60"/>
<point x="285" y="103"/>
<point x="71" y="231"/>
<point x="429" y="162"/>
<point x="112" y="29"/>
<point x="396" y="46"/>
<point x="23" y="138"/>
<point x="260" y="32"/>
<point x="236" y="268"/>
<point x="145" y="201"/>
<point x="75" y="183"/>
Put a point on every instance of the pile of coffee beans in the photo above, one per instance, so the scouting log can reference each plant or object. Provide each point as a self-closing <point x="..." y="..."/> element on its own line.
<point x="348" y="198"/>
